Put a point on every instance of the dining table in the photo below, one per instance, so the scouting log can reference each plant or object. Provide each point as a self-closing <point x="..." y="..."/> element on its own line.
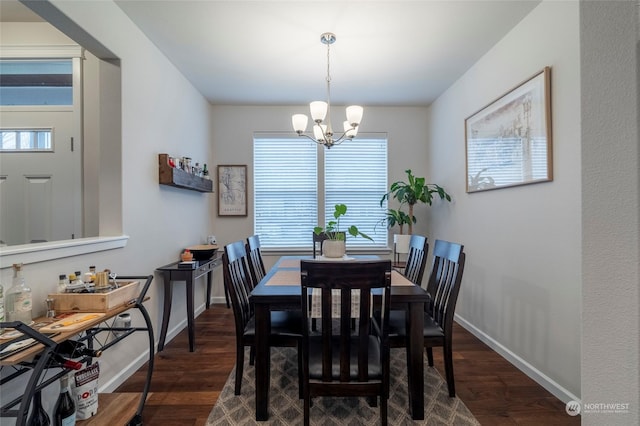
<point x="280" y="290"/>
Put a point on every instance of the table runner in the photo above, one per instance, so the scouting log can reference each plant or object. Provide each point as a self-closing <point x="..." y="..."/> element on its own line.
<point x="292" y="277"/>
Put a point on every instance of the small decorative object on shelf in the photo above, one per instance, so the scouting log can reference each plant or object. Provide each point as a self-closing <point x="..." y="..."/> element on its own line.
<point x="186" y="255"/>
<point x="182" y="177"/>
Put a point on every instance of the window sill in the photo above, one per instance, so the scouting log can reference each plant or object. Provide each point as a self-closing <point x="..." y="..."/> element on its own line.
<point x="40" y="252"/>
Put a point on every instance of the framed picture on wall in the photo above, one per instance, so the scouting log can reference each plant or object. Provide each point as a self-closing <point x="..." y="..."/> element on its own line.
<point x="232" y="190"/>
<point x="508" y="142"/>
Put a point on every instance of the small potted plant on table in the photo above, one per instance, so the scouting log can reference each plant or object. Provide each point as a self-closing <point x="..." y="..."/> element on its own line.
<point x="334" y="245"/>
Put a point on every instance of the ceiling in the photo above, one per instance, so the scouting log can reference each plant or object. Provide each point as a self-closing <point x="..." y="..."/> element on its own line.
<point x="269" y="52"/>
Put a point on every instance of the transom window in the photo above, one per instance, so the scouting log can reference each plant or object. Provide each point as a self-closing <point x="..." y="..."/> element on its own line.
<point x="297" y="184"/>
<point x="36" y="82"/>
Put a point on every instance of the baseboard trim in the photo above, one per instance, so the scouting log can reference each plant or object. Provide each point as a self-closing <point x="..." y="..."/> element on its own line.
<point x="539" y="377"/>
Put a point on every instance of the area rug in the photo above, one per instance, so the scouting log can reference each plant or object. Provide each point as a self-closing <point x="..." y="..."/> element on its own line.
<point x="286" y="409"/>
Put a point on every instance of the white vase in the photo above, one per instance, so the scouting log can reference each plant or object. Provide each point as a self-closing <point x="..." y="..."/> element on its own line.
<point x="401" y="243"/>
<point x="333" y="248"/>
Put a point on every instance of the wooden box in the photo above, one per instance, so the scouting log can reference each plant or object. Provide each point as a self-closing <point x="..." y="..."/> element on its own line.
<point x="96" y="302"/>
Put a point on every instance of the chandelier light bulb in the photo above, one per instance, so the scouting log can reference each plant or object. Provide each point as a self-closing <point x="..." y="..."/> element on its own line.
<point x="354" y="115"/>
<point x="318" y="110"/>
<point x="299" y="122"/>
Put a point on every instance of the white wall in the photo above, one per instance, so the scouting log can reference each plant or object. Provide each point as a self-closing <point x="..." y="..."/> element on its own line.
<point x="610" y="112"/>
<point x="521" y="286"/>
<point x="233" y="128"/>
<point x="161" y="112"/>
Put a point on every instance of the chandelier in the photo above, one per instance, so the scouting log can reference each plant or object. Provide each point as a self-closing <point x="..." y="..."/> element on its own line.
<point x="322" y="130"/>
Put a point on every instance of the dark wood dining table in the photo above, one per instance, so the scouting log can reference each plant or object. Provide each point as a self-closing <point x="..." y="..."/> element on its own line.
<point x="280" y="290"/>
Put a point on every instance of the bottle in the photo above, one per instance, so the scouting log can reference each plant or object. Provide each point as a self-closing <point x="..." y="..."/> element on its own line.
<point x="63" y="282"/>
<point x="19" y="303"/>
<point x="75" y="349"/>
<point x="205" y="171"/>
<point x="39" y="416"/>
<point x="92" y="270"/>
<point x="64" y="413"/>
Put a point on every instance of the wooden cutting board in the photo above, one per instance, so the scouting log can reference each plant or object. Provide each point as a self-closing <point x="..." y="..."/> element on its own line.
<point x="72" y="322"/>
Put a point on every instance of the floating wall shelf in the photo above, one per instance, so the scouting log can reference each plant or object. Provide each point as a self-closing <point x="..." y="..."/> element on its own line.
<point x="179" y="178"/>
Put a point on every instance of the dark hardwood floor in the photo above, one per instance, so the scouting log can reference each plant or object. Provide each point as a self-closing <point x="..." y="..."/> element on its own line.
<point x="186" y="385"/>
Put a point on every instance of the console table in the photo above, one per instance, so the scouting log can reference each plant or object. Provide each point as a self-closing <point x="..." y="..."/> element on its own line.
<point x="39" y="358"/>
<point x="172" y="273"/>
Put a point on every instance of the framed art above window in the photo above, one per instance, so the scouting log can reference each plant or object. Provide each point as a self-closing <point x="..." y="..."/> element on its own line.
<point x="508" y="142"/>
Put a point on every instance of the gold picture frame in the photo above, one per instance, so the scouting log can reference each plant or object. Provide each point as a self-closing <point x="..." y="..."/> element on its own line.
<point x="508" y="142"/>
<point x="232" y="190"/>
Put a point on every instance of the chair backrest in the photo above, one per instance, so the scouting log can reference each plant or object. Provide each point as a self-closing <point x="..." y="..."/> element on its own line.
<point x="337" y="280"/>
<point x="444" y="282"/>
<point x="237" y="281"/>
<point x="318" y="240"/>
<point x="254" y="256"/>
<point x="417" y="259"/>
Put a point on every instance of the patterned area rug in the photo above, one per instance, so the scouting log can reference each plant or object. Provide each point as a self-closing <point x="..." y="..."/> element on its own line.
<point x="286" y="409"/>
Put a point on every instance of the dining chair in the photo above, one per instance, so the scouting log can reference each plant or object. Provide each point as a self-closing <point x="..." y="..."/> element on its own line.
<point x="285" y="325"/>
<point x="256" y="264"/>
<point x="337" y="360"/>
<point x="416" y="259"/>
<point x="443" y="287"/>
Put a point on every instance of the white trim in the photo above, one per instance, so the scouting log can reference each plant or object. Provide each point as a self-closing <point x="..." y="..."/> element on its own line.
<point x="539" y="377"/>
<point x="40" y="252"/>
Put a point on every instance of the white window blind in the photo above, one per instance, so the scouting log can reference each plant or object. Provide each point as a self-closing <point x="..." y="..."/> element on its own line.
<point x="286" y="185"/>
<point x="286" y="191"/>
<point x="356" y="175"/>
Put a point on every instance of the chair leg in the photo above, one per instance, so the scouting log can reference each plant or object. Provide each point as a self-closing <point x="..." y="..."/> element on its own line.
<point x="300" y="377"/>
<point x="372" y="401"/>
<point x="239" y="367"/>
<point x="447" y="351"/>
<point x="252" y="355"/>
<point x="307" y="409"/>
<point x="430" y="356"/>
<point x="383" y="411"/>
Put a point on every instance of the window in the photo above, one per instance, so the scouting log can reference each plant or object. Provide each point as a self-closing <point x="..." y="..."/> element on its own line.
<point x="36" y="82"/>
<point x="291" y="197"/>
<point x="25" y="140"/>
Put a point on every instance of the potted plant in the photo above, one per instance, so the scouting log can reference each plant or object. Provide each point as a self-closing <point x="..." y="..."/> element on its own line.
<point x="334" y="245"/>
<point x="413" y="191"/>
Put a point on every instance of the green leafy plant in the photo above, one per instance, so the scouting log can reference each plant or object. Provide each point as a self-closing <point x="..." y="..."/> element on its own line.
<point x="396" y="217"/>
<point x="411" y="192"/>
<point x="332" y="230"/>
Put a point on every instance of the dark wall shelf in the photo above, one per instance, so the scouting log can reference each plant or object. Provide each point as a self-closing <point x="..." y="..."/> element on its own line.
<point x="179" y="178"/>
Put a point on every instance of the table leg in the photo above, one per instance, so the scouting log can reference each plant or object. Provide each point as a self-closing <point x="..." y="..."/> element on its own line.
<point x="262" y="361"/>
<point x="209" y="278"/>
<point x="166" y="313"/>
<point x="190" y="314"/>
<point x="416" y="367"/>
